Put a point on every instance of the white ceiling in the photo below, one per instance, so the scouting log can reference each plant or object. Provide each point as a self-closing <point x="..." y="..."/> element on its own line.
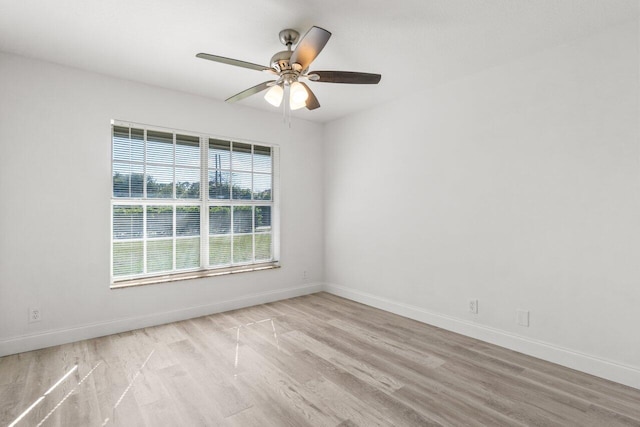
<point x="412" y="43"/>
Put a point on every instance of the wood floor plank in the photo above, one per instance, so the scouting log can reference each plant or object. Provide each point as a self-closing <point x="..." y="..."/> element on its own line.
<point x="363" y="371"/>
<point x="284" y="388"/>
<point x="250" y="417"/>
<point x="416" y="376"/>
<point x="605" y="388"/>
<point x="408" y="372"/>
<point x="315" y="360"/>
<point x="389" y="344"/>
<point x="393" y="411"/>
<point x="346" y="404"/>
<point x="629" y="409"/>
<point x="213" y="390"/>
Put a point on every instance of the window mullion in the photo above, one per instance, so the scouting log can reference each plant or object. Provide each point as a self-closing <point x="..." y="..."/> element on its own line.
<point x="173" y="162"/>
<point x="144" y="168"/>
<point x="231" y="232"/>
<point x="204" y="203"/>
<point x="231" y="203"/>
<point x="275" y="206"/>
<point x="253" y="209"/>
<point x="253" y="233"/>
<point x="231" y="175"/>
<point x="129" y="163"/>
<point x="144" y="238"/>
<point x="112" y="241"/>
<point x="175" y="236"/>
<point x="252" y="168"/>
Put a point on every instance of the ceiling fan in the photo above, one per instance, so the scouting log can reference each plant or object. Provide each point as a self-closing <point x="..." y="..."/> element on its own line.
<point x="292" y="66"/>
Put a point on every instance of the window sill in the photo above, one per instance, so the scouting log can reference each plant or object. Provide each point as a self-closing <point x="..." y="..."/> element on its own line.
<point x="175" y="277"/>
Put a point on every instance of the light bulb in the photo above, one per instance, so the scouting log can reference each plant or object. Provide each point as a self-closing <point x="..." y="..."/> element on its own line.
<point x="274" y="95"/>
<point x="298" y="96"/>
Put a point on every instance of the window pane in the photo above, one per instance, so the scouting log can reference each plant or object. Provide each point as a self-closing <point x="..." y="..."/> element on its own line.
<point x="263" y="219"/>
<point x="127" y="147"/>
<point x="187" y="183"/>
<point x="127" y="222"/>
<point x="127" y="180"/>
<point x="187" y="150"/>
<point x="159" y="255"/>
<point x="261" y="159"/>
<point x="219" y="185"/>
<point x="187" y="253"/>
<point x="219" y="154"/>
<point x="242" y="248"/>
<point x="219" y="250"/>
<point x="263" y="247"/>
<point x="159" y="221"/>
<point x="159" y="147"/>
<point x="241" y="185"/>
<point x="219" y="219"/>
<point x="261" y="187"/>
<point x="187" y="220"/>
<point x="241" y="157"/>
<point x="160" y="182"/>
<point x="242" y="219"/>
<point x="127" y="258"/>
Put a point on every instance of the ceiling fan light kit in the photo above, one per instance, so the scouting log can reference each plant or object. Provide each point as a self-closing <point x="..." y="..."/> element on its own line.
<point x="292" y="66"/>
<point x="274" y="95"/>
<point x="297" y="96"/>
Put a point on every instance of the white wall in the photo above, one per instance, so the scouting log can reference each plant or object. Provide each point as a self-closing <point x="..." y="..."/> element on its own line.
<point x="518" y="186"/>
<point x="54" y="245"/>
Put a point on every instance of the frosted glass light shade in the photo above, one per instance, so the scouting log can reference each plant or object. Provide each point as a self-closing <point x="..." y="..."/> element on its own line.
<point x="298" y="96"/>
<point x="297" y="106"/>
<point x="274" y="95"/>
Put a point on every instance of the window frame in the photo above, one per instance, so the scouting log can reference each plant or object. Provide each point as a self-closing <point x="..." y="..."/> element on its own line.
<point x="203" y="202"/>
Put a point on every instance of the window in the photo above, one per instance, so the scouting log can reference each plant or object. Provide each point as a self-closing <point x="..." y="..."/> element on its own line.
<point x="186" y="202"/>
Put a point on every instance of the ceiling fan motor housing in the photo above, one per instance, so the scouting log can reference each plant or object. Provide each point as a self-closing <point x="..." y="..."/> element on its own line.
<point x="280" y="61"/>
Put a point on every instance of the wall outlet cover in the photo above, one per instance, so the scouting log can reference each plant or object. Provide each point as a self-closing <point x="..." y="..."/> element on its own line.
<point x="473" y="306"/>
<point x="34" y="314"/>
<point x="522" y="317"/>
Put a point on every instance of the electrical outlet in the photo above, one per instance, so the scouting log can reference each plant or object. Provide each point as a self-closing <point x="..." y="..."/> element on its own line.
<point x="34" y="315"/>
<point x="473" y="306"/>
<point x="304" y="274"/>
<point x="522" y="317"/>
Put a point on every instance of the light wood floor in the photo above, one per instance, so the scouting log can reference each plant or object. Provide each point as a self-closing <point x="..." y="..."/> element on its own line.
<point x="315" y="360"/>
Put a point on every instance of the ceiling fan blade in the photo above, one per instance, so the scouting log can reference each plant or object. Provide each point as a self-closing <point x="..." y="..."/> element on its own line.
<point x="309" y="47"/>
<point x="231" y="61"/>
<point x="347" y="77"/>
<point x="251" y="91"/>
<point x="312" y="101"/>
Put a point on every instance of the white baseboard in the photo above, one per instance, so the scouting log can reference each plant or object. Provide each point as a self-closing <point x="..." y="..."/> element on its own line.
<point x="50" y="338"/>
<point x="603" y="368"/>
